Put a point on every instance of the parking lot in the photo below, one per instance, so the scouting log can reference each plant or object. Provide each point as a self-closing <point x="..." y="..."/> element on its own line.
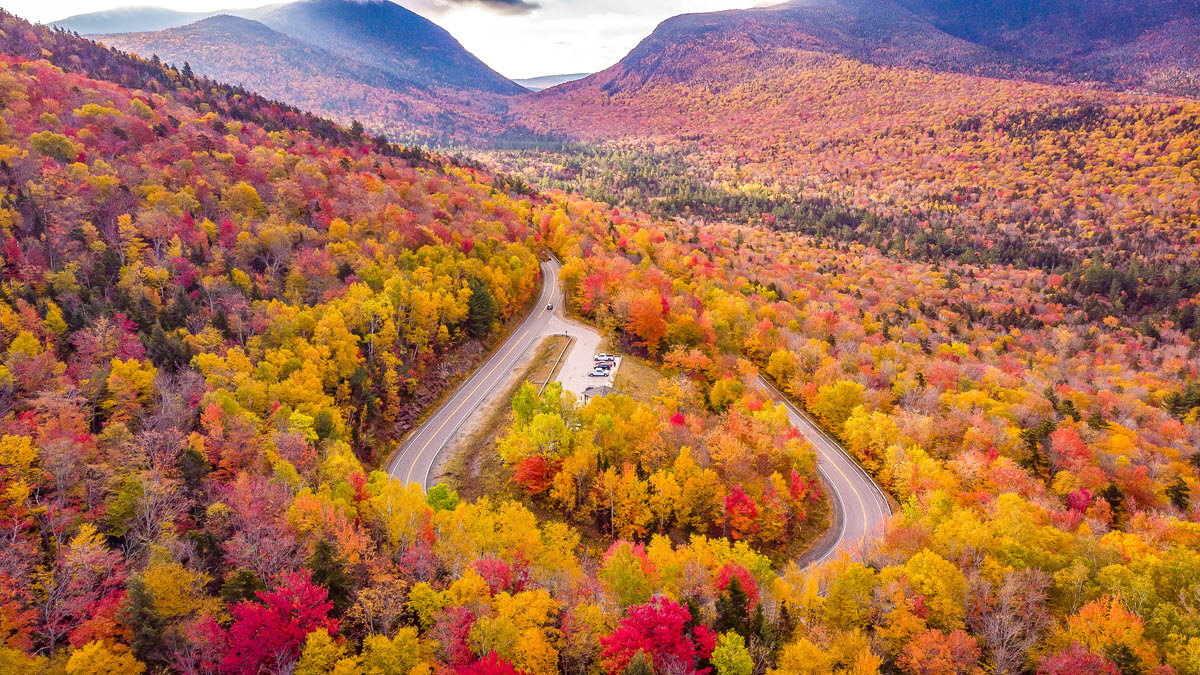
<point x="579" y="362"/>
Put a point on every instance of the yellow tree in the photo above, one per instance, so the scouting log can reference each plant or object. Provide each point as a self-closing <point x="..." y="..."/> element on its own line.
<point x="98" y="658"/>
<point x="130" y="384"/>
<point x="835" y="402"/>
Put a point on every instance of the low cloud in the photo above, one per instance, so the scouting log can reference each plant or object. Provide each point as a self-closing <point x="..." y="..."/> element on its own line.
<point x="498" y="6"/>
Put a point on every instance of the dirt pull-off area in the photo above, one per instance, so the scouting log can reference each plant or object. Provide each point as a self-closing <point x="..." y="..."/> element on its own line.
<point x="470" y="463"/>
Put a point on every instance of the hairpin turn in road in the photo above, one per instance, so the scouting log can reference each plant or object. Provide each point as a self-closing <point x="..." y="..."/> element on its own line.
<point x="860" y="504"/>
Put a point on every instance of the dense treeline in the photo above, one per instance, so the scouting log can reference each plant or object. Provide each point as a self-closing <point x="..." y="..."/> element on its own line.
<point x="663" y="185"/>
<point x="73" y="54"/>
<point x="1036" y="451"/>
<point x="211" y="329"/>
<point x="926" y="166"/>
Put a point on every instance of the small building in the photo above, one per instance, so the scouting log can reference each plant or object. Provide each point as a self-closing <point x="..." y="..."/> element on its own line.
<point x="600" y="391"/>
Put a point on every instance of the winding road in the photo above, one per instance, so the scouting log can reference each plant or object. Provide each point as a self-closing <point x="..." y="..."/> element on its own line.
<point x="416" y="457"/>
<point x="860" y="507"/>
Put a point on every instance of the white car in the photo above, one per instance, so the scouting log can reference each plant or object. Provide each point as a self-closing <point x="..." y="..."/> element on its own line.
<point x="599" y="372"/>
<point x="604" y="357"/>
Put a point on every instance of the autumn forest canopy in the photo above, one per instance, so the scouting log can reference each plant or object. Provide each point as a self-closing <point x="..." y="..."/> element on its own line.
<point x="972" y="259"/>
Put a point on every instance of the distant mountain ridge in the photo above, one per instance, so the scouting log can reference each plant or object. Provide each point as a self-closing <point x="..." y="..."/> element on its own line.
<point x="548" y="81"/>
<point x="1042" y="40"/>
<point x="387" y="36"/>
<point x="688" y="46"/>
<point x="246" y="52"/>
<point x="1151" y="43"/>
<point x="377" y="33"/>
<point x="128" y="20"/>
<point x="375" y="61"/>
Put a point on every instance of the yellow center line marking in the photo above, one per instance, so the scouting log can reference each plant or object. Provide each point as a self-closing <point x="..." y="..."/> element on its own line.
<point x="862" y="507"/>
<point x="408" y="478"/>
<point x="524" y="333"/>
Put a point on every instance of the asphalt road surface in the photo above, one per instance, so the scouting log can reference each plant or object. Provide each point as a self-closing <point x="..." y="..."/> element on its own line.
<point x="415" y="459"/>
<point x="860" y="507"/>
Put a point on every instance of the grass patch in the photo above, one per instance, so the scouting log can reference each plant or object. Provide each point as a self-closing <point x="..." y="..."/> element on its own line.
<point x="638" y="379"/>
<point x="475" y="470"/>
<point x="549" y="361"/>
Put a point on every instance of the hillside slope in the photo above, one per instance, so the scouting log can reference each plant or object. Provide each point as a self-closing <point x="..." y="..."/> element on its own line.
<point x="944" y="164"/>
<point x="377" y="33"/>
<point x="375" y="61"/>
<point x="1150" y="44"/>
<point x="218" y="312"/>
<point x="233" y="49"/>
<point x="879" y="31"/>
<point x="1050" y="41"/>
<point x="385" y="35"/>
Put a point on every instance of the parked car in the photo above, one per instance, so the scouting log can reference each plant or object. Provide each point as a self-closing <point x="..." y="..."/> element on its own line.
<point x="598" y="372"/>
<point x="605" y="357"/>
<point x="603" y="365"/>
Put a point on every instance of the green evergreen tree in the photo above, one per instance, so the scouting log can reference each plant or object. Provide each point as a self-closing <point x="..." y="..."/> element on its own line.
<point x="481" y="309"/>
<point x="1116" y="501"/>
<point x="1180" y="494"/>
<point x="193" y="469"/>
<point x="145" y="624"/>
<point x="733" y="609"/>
<point x="328" y="571"/>
<point x="243" y="585"/>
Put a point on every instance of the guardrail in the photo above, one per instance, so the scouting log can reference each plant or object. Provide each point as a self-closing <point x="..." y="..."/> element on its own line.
<point x="555" y="366"/>
<point x="885" y="505"/>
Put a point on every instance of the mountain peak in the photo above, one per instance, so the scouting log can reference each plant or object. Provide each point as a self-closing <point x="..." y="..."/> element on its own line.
<point x="387" y="36"/>
<point x="378" y="34"/>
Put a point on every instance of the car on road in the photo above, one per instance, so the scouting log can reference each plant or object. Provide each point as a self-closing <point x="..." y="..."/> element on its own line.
<point x="550" y="307"/>
<point x="598" y="372"/>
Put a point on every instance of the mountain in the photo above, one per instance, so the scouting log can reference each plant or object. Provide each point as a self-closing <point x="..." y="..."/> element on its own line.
<point x="375" y="61"/>
<point x="1153" y="44"/>
<point x="1051" y="30"/>
<point x="391" y="38"/>
<point x="942" y="147"/>
<point x="684" y="47"/>
<point x="548" y="81"/>
<point x="128" y="20"/>
<point x="1150" y="46"/>
<point x="233" y="49"/>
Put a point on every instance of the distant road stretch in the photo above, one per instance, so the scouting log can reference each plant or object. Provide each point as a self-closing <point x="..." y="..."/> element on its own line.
<point x="861" y="504"/>
<point x="415" y="459"/>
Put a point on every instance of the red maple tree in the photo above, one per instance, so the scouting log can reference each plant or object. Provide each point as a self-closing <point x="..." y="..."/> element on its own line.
<point x="270" y="632"/>
<point x="665" y="632"/>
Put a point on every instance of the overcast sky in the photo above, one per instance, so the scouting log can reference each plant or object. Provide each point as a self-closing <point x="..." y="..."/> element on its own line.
<point x="518" y="38"/>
